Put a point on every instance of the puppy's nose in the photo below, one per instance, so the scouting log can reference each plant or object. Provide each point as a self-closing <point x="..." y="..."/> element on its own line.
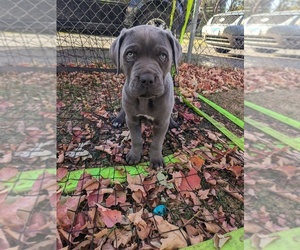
<point x="147" y="78"/>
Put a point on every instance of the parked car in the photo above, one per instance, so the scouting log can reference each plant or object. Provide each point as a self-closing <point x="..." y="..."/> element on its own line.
<point x="100" y="17"/>
<point x="225" y="31"/>
<point x="268" y="32"/>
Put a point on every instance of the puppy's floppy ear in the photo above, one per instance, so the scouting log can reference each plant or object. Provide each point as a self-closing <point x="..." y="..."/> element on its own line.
<point x="176" y="49"/>
<point x="115" y="49"/>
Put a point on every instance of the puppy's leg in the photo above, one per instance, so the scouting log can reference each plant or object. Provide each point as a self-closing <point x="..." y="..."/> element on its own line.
<point x="135" y="153"/>
<point x="119" y="120"/>
<point x="159" y="132"/>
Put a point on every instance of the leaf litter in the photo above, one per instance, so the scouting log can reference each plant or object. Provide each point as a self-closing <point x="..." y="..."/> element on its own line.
<point x="27" y="142"/>
<point x="272" y="174"/>
<point x="202" y="191"/>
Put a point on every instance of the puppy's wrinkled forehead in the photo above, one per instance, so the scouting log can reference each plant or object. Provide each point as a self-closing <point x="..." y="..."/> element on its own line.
<point x="146" y="39"/>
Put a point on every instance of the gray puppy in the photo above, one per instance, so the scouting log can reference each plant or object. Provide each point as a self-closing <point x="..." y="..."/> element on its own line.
<point x="145" y="54"/>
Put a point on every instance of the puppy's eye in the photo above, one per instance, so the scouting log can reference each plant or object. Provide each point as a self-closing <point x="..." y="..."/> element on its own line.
<point x="163" y="57"/>
<point x="130" y="56"/>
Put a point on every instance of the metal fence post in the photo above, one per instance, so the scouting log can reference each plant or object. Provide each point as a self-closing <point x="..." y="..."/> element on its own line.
<point x="193" y="31"/>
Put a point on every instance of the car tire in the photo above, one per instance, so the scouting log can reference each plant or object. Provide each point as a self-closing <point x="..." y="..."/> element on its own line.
<point x="223" y="51"/>
<point x="158" y="19"/>
<point x="262" y="50"/>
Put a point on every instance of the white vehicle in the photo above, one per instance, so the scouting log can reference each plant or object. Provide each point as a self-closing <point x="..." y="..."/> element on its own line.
<point x="225" y="31"/>
<point x="268" y="32"/>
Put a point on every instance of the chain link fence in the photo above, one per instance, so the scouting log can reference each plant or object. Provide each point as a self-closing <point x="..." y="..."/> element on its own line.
<point x="87" y="29"/>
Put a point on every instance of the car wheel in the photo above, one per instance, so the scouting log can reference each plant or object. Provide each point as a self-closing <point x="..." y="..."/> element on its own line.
<point x="157" y="19"/>
<point x="220" y="50"/>
<point x="261" y="50"/>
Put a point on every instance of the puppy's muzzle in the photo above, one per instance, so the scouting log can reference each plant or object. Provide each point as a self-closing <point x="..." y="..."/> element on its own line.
<point x="149" y="85"/>
<point x="147" y="79"/>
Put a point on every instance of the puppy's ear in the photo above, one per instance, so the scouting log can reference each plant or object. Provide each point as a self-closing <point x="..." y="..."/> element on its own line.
<point x="115" y="49"/>
<point x="176" y="49"/>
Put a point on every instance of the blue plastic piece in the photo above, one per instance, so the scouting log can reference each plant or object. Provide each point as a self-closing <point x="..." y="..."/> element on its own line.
<point x="160" y="210"/>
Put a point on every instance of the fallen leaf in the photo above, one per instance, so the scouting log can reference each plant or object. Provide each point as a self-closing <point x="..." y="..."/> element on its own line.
<point x="259" y="241"/>
<point x="172" y="236"/>
<point x="116" y="197"/>
<point x="197" y="162"/>
<point x="212" y="227"/>
<point x="5" y="156"/>
<point x="289" y="171"/>
<point x="109" y="216"/>
<point x="220" y="240"/>
<point x="209" y="178"/>
<point x="61" y="173"/>
<point x="236" y="170"/>
<point x="143" y="229"/>
<point x="7" y="173"/>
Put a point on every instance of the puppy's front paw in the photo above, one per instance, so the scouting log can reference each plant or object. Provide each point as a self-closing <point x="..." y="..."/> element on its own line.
<point x="157" y="162"/>
<point x="173" y="124"/>
<point x="119" y="121"/>
<point x="133" y="158"/>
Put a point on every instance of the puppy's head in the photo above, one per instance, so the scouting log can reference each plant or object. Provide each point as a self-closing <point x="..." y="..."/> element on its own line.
<point x="145" y="54"/>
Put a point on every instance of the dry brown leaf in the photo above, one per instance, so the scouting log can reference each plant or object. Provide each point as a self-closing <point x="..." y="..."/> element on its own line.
<point x="120" y="237"/>
<point x="251" y="227"/>
<point x="99" y="235"/>
<point x="143" y="229"/>
<point x="236" y="170"/>
<point x="259" y="241"/>
<point x="212" y="227"/>
<point x="203" y="194"/>
<point x="289" y="171"/>
<point x="234" y="194"/>
<point x="7" y="173"/>
<point x="197" y="162"/>
<point x="209" y="178"/>
<point x="287" y="195"/>
<point x="6" y="156"/>
<point x="109" y="216"/>
<point x="172" y="236"/>
<point x="196" y="239"/>
<point x="4" y="243"/>
<point x="220" y="240"/>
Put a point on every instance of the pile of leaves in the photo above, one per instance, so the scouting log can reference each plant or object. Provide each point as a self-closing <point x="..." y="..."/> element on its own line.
<point x="27" y="144"/>
<point x="265" y="79"/>
<point x="202" y="192"/>
<point x="272" y="168"/>
<point x="207" y="81"/>
<point x="271" y="186"/>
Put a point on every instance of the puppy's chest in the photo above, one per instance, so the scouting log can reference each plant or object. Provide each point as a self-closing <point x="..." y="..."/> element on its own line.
<point x="147" y="117"/>
<point x="146" y="109"/>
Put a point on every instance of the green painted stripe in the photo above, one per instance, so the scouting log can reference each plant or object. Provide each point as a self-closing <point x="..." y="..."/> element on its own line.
<point x="236" y="140"/>
<point x="224" y="112"/>
<point x="282" y="240"/>
<point x="23" y="181"/>
<point x="235" y="242"/>
<point x="287" y="120"/>
<point x="292" y="142"/>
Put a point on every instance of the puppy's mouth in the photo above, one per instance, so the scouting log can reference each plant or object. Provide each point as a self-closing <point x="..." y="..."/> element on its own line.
<point x="148" y="96"/>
